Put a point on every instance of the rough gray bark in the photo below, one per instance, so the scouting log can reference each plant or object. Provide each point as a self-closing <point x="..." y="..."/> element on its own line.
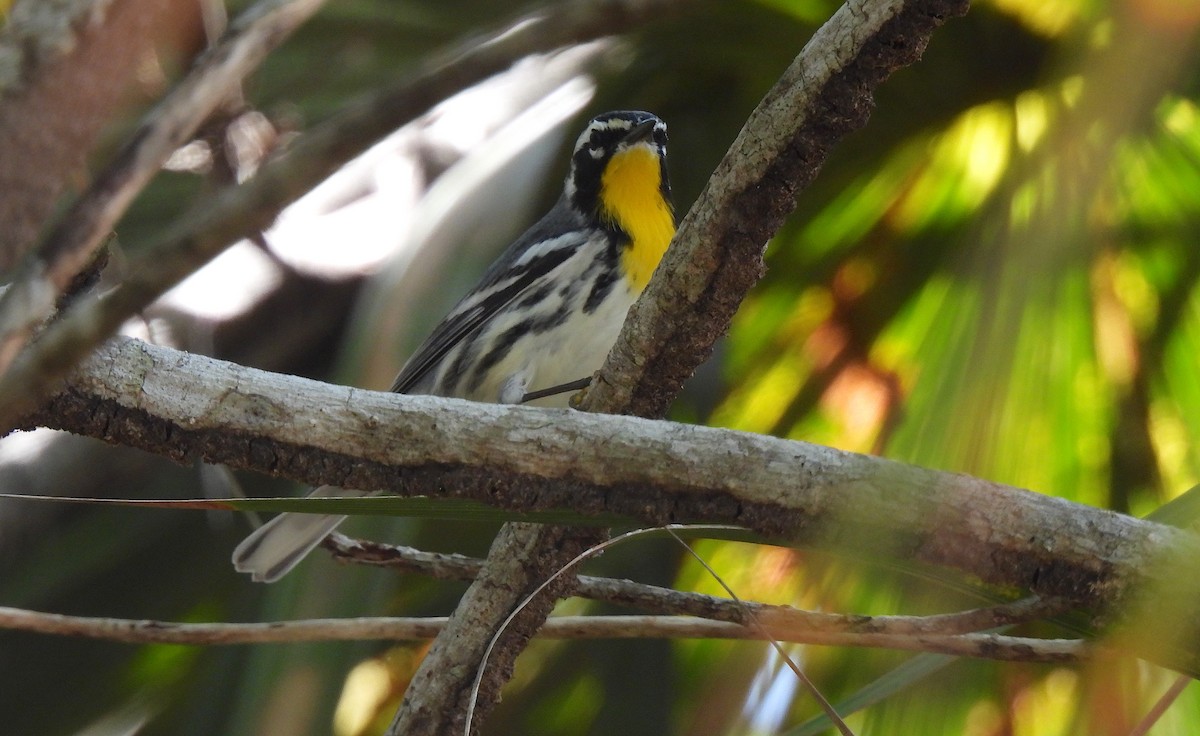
<point x="188" y="406"/>
<point x="716" y="256"/>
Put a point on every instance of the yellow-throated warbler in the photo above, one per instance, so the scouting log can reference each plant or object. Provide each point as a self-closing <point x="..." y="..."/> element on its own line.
<point x="545" y="314"/>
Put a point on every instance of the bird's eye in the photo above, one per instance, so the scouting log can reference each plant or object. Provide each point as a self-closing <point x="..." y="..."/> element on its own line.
<point x="596" y="152"/>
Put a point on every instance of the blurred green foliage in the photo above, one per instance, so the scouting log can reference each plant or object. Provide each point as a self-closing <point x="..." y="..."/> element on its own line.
<point x="997" y="276"/>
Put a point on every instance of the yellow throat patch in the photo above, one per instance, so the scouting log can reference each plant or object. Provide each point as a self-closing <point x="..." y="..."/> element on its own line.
<point x="630" y="197"/>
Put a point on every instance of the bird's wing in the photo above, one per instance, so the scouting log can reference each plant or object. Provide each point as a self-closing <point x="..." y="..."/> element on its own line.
<point x="506" y="280"/>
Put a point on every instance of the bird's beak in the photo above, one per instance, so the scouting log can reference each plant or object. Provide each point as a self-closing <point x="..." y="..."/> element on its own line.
<point x="640" y="132"/>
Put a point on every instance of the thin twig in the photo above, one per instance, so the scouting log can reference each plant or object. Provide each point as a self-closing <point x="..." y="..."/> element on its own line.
<point x="142" y="631"/>
<point x="667" y="601"/>
<point x="1161" y="705"/>
<point x="830" y="711"/>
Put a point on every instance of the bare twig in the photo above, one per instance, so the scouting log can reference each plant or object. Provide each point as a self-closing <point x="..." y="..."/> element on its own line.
<point x="668" y="601"/>
<point x="42" y="278"/>
<point x="754" y="623"/>
<point x="1161" y="705"/>
<point x="141" y="631"/>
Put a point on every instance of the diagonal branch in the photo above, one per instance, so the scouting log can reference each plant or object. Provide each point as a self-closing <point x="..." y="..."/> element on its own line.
<point x="713" y="261"/>
<point x="716" y="256"/>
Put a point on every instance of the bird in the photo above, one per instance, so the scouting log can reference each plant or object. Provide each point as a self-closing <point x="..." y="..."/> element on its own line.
<point x="544" y="315"/>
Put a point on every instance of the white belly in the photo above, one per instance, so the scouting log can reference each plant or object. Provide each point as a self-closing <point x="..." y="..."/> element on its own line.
<point x="564" y="354"/>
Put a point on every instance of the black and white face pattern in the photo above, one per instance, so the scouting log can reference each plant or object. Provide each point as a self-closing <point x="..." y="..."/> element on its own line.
<point x="604" y="136"/>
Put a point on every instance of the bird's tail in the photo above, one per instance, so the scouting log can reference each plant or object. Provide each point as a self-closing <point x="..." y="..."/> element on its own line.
<point x="277" y="546"/>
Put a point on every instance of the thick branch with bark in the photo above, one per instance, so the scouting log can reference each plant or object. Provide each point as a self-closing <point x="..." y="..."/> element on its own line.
<point x="192" y="407"/>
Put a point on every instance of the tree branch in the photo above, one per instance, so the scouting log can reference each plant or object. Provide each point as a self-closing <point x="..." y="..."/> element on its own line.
<point x="984" y="646"/>
<point x="192" y="407"/>
<point x="659" y="600"/>
<point x="716" y="257"/>
<point x="712" y="263"/>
